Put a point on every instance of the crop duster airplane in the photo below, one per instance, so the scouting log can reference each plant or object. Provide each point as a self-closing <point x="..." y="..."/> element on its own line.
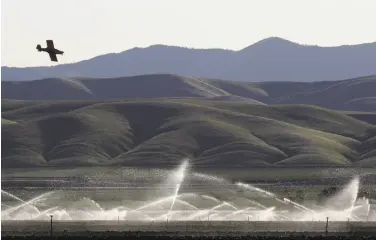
<point x="52" y="51"/>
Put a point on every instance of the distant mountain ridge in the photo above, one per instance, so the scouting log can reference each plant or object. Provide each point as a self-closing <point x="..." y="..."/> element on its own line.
<point x="358" y="94"/>
<point x="271" y="59"/>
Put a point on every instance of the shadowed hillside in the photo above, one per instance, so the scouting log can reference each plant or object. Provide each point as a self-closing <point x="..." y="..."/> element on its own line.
<point x="161" y="132"/>
<point x="369" y="117"/>
<point x="352" y="95"/>
<point x="271" y="59"/>
<point x="145" y="86"/>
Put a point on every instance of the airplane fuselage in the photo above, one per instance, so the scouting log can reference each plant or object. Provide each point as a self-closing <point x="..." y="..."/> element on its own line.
<point x="53" y="50"/>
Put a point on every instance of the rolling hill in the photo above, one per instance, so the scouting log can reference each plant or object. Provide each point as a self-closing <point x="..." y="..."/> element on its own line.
<point x="271" y="59"/>
<point x="357" y="94"/>
<point x="160" y="132"/>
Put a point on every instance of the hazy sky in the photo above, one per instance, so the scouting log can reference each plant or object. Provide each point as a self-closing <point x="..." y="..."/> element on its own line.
<point x="87" y="28"/>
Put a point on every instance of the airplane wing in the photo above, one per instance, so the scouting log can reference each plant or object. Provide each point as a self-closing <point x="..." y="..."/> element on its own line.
<point x="53" y="57"/>
<point x="50" y="44"/>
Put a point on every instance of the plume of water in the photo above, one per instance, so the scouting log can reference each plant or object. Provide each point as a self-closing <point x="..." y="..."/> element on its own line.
<point x="179" y="177"/>
<point x="211" y="178"/>
<point x="153" y="203"/>
<point x="189" y="206"/>
<point x="87" y="204"/>
<point x="28" y="203"/>
<point x="211" y="198"/>
<point x="44" y="214"/>
<point x="12" y="196"/>
<point x="255" y="189"/>
<point x="299" y="205"/>
<point x="186" y="204"/>
<point x="345" y="198"/>
<point x="361" y="209"/>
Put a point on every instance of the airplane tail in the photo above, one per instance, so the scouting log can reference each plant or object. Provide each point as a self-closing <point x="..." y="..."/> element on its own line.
<point x="39" y="48"/>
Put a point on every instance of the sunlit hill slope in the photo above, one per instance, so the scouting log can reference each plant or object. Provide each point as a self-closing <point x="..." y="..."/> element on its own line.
<point x="160" y="132"/>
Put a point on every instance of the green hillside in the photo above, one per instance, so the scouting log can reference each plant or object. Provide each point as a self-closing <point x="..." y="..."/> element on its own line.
<point x="160" y="132"/>
<point x="351" y="95"/>
<point x="5" y="121"/>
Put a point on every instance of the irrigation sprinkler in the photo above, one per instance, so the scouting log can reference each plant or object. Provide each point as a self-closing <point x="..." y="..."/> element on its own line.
<point x="51" y="226"/>
<point x="326" y="227"/>
<point x="348" y="224"/>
